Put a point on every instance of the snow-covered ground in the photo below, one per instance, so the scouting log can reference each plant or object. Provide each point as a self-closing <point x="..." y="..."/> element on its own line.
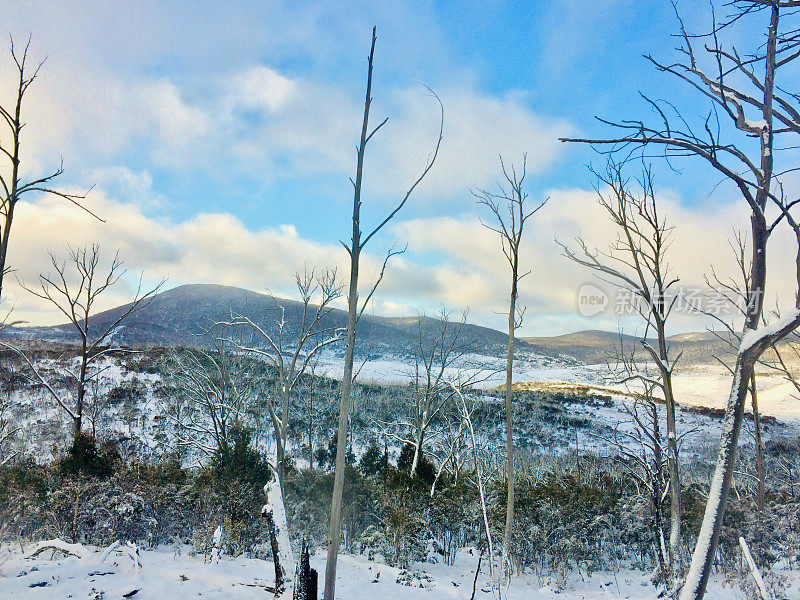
<point x="489" y="371"/>
<point x="702" y="385"/>
<point x="710" y="386"/>
<point x="137" y="414"/>
<point x="165" y="573"/>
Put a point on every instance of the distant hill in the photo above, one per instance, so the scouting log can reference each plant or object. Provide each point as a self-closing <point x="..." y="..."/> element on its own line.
<point x="594" y="346"/>
<point x="590" y="347"/>
<point x="180" y="317"/>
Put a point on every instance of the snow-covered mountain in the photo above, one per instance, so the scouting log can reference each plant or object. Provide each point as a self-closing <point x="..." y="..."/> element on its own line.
<point x="179" y="316"/>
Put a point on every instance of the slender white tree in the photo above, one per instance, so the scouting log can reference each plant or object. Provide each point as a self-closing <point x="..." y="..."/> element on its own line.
<point x="355" y="308"/>
<point x="511" y="209"/>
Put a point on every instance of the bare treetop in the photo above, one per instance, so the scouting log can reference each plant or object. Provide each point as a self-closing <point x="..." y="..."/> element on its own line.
<point x="11" y="182"/>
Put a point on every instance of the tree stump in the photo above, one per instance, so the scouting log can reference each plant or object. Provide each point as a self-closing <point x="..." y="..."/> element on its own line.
<point x="280" y="584"/>
<point x="306" y="577"/>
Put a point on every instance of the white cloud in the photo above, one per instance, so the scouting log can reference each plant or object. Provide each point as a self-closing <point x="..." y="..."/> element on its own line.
<point x="209" y="248"/>
<point x="480" y="272"/>
<point x="259" y="122"/>
<point x="451" y="260"/>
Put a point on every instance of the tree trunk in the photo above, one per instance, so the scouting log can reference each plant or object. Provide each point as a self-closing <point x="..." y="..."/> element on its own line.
<point x="335" y="528"/>
<point x="275" y="514"/>
<point x="283" y="433"/>
<point x="665" y="371"/>
<point x="509" y="529"/>
<point x="16" y="128"/>
<point x="78" y="418"/>
<point x="280" y="570"/>
<point x="4" y="243"/>
<point x="417" y="451"/>
<point x="759" y="445"/>
<point x="703" y="557"/>
<point x="306" y="578"/>
<point x="672" y="449"/>
<point x="664" y="560"/>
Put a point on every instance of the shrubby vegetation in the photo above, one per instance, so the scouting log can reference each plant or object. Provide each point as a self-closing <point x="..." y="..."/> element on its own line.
<point x="582" y="512"/>
<point x="575" y="510"/>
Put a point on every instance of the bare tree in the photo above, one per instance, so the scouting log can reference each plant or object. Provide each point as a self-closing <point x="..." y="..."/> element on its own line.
<point x="435" y="353"/>
<point x="215" y="391"/>
<point x="637" y="262"/>
<point x="14" y="187"/>
<point x="743" y="89"/>
<point x="642" y="446"/>
<point x="308" y="409"/>
<point x="511" y="210"/>
<point x="450" y="451"/>
<point x="466" y="416"/>
<point x="354" y="249"/>
<point x="73" y="290"/>
<point x="439" y="364"/>
<point x="290" y="353"/>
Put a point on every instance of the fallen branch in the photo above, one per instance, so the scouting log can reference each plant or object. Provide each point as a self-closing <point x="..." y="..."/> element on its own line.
<point x="78" y="550"/>
<point x="762" y="589"/>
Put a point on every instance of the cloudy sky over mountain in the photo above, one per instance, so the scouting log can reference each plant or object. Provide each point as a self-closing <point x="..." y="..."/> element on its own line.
<point x="219" y="138"/>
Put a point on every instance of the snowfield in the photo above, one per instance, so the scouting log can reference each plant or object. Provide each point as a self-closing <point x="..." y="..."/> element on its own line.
<point x="177" y="575"/>
<point x="702" y="386"/>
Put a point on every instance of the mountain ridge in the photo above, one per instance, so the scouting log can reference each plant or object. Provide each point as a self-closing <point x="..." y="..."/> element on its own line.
<point x="180" y="316"/>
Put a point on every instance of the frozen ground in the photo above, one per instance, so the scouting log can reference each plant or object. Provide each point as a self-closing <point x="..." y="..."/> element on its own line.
<point x="704" y="385"/>
<point x="165" y="574"/>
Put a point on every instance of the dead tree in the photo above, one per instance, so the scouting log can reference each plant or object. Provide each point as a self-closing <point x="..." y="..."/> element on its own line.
<point x="305" y="577"/>
<point x="637" y="263"/>
<point x="466" y="416"/>
<point x="291" y="352"/>
<point x="73" y="290"/>
<point x="440" y="363"/>
<point x="745" y="92"/>
<point x="733" y="292"/>
<point x="275" y="514"/>
<point x="641" y="448"/>
<point x="215" y="392"/>
<point x="510" y="210"/>
<point x="450" y="451"/>
<point x="14" y="187"/>
<point x="432" y="358"/>
<point x="354" y="249"/>
<point x="308" y="410"/>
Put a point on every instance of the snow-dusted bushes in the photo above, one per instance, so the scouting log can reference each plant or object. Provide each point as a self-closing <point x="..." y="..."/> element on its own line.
<point x="149" y="504"/>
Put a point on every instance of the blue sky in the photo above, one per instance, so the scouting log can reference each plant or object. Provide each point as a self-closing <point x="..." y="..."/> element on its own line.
<point x="220" y="138"/>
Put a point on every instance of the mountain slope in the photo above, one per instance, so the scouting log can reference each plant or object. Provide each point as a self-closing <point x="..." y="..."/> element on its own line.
<point x="183" y="315"/>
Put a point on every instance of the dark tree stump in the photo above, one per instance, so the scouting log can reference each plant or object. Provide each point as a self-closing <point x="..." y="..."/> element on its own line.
<point x="280" y="585"/>
<point x="306" y="577"/>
